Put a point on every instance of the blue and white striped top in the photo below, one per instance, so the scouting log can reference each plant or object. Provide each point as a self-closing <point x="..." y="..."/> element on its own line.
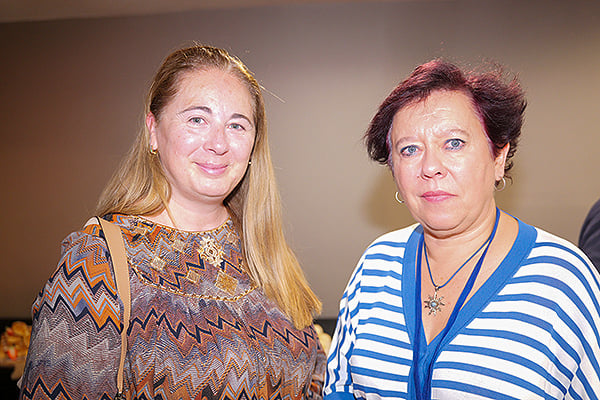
<point x="532" y="331"/>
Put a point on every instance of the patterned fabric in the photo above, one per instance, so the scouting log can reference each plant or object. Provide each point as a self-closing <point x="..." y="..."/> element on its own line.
<point x="199" y="328"/>
<point x="531" y="331"/>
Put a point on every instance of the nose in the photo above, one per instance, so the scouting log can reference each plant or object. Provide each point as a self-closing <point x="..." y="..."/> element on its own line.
<point x="432" y="165"/>
<point x="216" y="141"/>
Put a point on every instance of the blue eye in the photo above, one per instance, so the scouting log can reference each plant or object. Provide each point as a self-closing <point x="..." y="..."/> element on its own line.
<point x="196" y="120"/>
<point x="455" y="144"/>
<point x="236" y="126"/>
<point x="409" y="150"/>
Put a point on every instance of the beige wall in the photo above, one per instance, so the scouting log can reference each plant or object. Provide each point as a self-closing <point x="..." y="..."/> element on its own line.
<point x="71" y="95"/>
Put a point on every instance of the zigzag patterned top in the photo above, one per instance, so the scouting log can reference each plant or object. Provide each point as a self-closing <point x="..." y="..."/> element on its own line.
<point x="199" y="328"/>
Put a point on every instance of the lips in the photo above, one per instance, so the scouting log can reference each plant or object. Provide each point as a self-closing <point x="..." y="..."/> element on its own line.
<point x="436" y="196"/>
<point x="212" y="169"/>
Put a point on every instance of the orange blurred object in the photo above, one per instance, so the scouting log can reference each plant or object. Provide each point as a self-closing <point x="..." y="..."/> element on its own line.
<point x="14" y="342"/>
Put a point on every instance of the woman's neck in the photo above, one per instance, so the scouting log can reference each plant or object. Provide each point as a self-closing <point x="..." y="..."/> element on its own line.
<point x="460" y="245"/>
<point x="197" y="219"/>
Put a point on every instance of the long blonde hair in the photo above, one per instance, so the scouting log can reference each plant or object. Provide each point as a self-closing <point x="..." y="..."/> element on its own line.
<point x="140" y="187"/>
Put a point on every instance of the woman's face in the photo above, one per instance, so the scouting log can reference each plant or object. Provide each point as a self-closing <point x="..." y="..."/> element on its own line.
<point x="204" y="136"/>
<point x="443" y="164"/>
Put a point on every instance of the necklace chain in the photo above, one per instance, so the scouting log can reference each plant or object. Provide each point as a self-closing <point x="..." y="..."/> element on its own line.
<point x="437" y="287"/>
<point x="436" y="302"/>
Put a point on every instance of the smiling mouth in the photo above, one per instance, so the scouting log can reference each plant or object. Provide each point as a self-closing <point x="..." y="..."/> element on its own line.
<point x="213" y="169"/>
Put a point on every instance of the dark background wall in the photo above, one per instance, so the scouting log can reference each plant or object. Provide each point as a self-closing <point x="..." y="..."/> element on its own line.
<point x="71" y="94"/>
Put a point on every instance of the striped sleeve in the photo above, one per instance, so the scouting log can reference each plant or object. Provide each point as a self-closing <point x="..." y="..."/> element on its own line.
<point x="338" y="384"/>
<point x="370" y="339"/>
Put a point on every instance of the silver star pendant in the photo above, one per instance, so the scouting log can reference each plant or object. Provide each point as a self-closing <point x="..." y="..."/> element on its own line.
<point x="434" y="303"/>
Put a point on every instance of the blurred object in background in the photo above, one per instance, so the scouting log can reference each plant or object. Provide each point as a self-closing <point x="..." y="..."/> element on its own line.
<point x="324" y="338"/>
<point x="14" y="344"/>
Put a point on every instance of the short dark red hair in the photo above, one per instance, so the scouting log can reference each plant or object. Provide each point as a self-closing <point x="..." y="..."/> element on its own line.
<point x="500" y="104"/>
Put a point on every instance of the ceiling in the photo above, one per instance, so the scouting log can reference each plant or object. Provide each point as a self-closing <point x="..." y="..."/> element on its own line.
<point x="41" y="10"/>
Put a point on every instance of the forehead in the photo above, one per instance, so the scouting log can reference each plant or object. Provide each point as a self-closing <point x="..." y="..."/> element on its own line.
<point x="441" y="110"/>
<point x="439" y="104"/>
<point x="212" y="83"/>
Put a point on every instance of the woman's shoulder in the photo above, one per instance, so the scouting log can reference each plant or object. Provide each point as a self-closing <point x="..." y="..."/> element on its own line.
<point x="91" y="231"/>
<point x="382" y="263"/>
<point x="83" y="268"/>
<point x="551" y="244"/>
<point x="543" y="242"/>
<point x="556" y="255"/>
<point x="79" y="243"/>
<point x="387" y="251"/>
<point x="397" y="238"/>
<point x="85" y="250"/>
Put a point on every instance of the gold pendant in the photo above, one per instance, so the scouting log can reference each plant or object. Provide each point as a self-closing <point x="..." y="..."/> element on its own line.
<point x="434" y="303"/>
<point x="211" y="251"/>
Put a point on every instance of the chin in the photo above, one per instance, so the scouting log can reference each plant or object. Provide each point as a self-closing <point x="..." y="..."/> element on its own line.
<point x="210" y="193"/>
<point x="439" y="224"/>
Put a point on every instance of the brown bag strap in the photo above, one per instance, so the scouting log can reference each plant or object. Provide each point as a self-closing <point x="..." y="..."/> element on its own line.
<point x="114" y="240"/>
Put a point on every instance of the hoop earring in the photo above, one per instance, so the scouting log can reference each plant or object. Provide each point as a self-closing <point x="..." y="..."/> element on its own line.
<point x="398" y="199"/>
<point x="499" y="189"/>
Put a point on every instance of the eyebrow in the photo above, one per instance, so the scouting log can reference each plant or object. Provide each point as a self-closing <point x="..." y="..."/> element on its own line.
<point x="403" y="140"/>
<point x="208" y="110"/>
<point x="201" y="108"/>
<point x="242" y="116"/>
<point x="459" y="130"/>
<point x="451" y="131"/>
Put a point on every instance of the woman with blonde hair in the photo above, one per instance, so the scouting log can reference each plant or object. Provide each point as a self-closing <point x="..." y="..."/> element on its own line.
<point x="220" y="307"/>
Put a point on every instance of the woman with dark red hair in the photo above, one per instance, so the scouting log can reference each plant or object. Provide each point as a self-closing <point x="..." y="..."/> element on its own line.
<point x="470" y="302"/>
